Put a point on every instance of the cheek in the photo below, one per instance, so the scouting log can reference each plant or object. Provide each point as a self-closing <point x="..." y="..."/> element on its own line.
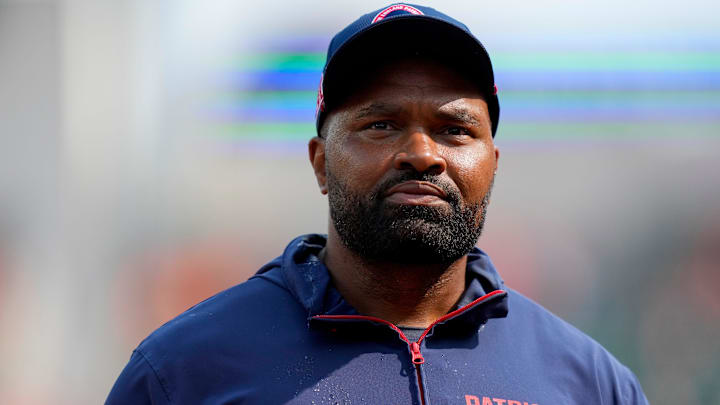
<point x="359" y="165"/>
<point x="473" y="171"/>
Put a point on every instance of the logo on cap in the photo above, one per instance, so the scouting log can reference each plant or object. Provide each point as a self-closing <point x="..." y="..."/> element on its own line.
<point x="320" y="103"/>
<point x="401" y="8"/>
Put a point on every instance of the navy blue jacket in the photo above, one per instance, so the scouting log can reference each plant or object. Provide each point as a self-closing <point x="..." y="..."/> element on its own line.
<point x="287" y="336"/>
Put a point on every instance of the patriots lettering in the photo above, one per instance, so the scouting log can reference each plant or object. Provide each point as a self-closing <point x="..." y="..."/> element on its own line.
<point x="473" y="400"/>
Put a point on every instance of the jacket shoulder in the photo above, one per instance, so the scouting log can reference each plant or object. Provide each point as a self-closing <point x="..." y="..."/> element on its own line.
<point x="526" y="313"/>
<point x="227" y="317"/>
<point x="259" y="313"/>
<point x="563" y="345"/>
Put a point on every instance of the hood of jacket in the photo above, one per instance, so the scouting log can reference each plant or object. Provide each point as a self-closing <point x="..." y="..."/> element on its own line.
<point x="308" y="280"/>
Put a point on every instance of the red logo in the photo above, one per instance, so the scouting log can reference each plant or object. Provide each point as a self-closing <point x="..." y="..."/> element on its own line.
<point x="473" y="400"/>
<point x="396" y="7"/>
<point x="320" y="104"/>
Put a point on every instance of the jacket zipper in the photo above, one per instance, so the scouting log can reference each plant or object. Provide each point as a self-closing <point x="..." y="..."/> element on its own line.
<point x="418" y="360"/>
<point x="414" y="347"/>
<point x="416" y="355"/>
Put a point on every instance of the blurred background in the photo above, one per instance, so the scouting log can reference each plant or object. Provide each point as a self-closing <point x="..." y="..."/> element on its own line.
<point x="153" y="153"/>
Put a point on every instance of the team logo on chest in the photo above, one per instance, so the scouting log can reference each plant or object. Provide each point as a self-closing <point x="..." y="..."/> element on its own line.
<point x="473" y="400"/>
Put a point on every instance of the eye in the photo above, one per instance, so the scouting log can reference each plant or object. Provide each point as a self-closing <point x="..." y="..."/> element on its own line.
<point x="379" y="125"/>
<point x="457" y="131"/>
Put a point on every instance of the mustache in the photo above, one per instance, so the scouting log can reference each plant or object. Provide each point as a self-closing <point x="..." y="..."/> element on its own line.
<point x="453" y="194"/>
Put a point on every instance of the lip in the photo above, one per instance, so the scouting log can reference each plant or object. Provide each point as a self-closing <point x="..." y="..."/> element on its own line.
<point x="416" y="192"/>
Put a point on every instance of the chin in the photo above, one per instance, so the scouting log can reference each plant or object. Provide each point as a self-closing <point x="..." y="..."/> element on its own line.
<point x="415" y="241"/>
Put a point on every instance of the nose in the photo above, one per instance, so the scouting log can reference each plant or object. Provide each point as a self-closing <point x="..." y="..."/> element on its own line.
<point x="419" y="152"/>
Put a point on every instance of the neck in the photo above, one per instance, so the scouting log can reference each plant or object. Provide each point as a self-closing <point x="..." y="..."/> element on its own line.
<point x="406" y="295"/>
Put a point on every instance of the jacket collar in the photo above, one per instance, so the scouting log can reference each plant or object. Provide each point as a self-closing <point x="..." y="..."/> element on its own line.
<point x="307" y="278"/>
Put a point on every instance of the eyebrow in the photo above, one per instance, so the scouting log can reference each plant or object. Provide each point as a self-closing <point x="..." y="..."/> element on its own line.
<point x="459" y="114"/>
<point x="377" y="108"/>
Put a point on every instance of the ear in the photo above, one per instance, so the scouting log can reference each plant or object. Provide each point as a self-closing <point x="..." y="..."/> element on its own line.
<point x="497" y="157"/>
<point x="316" y="150"/>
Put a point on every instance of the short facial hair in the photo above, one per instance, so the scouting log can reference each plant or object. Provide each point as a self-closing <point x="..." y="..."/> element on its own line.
<point x="406" y="234"/>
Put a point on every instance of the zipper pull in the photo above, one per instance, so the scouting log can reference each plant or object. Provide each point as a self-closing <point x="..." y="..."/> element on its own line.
<point x="417" y="357"/>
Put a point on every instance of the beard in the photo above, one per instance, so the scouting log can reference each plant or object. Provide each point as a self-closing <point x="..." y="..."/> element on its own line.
<point x="405" y="234"/>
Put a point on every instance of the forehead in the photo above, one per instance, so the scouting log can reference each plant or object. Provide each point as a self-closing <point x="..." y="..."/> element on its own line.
<point x="413" y="85"/>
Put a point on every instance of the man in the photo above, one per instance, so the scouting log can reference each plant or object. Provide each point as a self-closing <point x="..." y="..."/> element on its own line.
<point x="395" y="305"/>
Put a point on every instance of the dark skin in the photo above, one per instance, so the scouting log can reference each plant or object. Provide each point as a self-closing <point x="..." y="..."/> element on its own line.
<point x="412" y="115"/>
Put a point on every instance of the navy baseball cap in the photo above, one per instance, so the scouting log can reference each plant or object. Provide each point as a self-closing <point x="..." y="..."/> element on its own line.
<point x="405" y="29"/>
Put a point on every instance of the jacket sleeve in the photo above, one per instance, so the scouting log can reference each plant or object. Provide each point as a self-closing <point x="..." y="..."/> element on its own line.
<point x="138" y="384"/>
<point x="618" y="385"/>
<point x="632" y="392"/>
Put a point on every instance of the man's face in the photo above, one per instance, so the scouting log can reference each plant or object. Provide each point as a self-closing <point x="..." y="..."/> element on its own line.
<point x="409" y="162"/>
